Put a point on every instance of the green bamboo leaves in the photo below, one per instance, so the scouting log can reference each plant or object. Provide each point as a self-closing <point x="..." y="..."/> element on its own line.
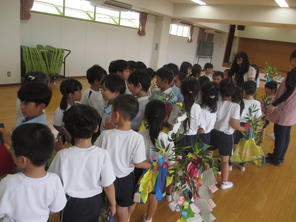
<point x="46" y="59"/>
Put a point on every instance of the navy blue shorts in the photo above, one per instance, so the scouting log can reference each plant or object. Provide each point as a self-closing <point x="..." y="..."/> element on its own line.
<point x="125" y="188"/>
<point x="223" y="142"/>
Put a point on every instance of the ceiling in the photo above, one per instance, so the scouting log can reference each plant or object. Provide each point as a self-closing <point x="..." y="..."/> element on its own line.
<point x="292" y="3"/>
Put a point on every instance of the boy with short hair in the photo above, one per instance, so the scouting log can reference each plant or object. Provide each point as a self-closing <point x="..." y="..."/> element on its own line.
<point x="208" y="71"/>
<point x="32" y="194"/>
<point x="34" y="98"/>
<point x="121" y="68"/>
<point x="217" y="77"/>
<point x="127" y="151"/>
<point x="86" y="170"/>
<point x="164" y="81"/>
<point x="176" y="88"/>
<point x="93" y="96"/>
<point x="113" y="86"/>
<point x="196" y="70"/>
<point x="139" y="83"/>
<point x="249" y="92"/>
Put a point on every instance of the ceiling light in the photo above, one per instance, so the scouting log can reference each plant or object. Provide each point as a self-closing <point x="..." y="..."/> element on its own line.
<point x="282" y="3"/>
<point x="200" y="2"/>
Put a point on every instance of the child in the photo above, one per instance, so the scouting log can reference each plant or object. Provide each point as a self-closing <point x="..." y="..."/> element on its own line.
<point x="179" y="79"/>
<point x="113" y="86"/>
<point x="217" y="77"/>
<point x="270" y="91"/>
<point x="208" y="113"/>
<point x="186" y="68"/>
<point x="93" y="96"/>
<point x="196" y="70"/>
<point x="152" y="75"/>
<point x="132" y="66"/>
<point x="36" y="77"/>
<point x="190" y="90"/>
<point x="249" y="92"/>
<point x="34" y="98"/>
<point x="86" y="170"/>
<point x="228" y="120"/>
<point x="127" y="151"/>
<point x="155" y="114"/>
<point x="71" y="94"/>
<point x="226" y="74"/>
<point x="175" y="69"/>
<point x="164" y="81"/>
<point x="208" y="71"/>
<point x="34" y="193"/>
<point x="139" y="83"/>
<point x="121" y="68"/>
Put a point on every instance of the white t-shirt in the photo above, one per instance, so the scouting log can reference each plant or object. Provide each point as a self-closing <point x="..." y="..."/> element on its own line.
<point x="93" y="99"/>
<point x="136" y="123"/>
<point x="126" y="148"/>
<point x="226" y="110"/>
<point x="207" y="119"/>
<point x="194" y="120"/>
<point x="58" y="116"/>
<point x="251" y="74"/>
<point x="255" y="104"/>
<point x="164" y="137"/>
<point x="83" y="171"/>
<point x="24" y="199"/>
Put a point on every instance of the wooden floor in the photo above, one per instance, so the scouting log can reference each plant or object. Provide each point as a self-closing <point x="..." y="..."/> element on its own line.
<point x="259" y="195"/>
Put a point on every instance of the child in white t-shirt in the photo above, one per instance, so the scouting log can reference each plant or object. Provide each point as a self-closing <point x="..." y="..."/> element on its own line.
<point x="31" y="77"/>
<point x="208" y="71"/>
<point x="139" y="83"/>
<point x="34" y="193"/>
<point x="93" y="96"/>
<point x="127" y="151"/>
<point x="249" y="91"/>
<point x="85" y="170"/>
<point x="71" y="94"/>
<point x="155" y="115"/>
<point x="189" y="127"/>
<point x="228" y="120"/>
<point x="208" y="115"/>
<point x="121" y="68"/>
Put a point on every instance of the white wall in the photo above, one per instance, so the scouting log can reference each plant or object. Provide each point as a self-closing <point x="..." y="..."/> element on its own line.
<point x="9" y="41"/>
<point x="90" y="42"/>
<point x="179" y="50"/>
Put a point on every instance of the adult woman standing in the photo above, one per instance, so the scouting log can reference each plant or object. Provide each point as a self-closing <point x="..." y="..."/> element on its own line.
<point x="241" y="69"/>
<point x="282" y="113"/>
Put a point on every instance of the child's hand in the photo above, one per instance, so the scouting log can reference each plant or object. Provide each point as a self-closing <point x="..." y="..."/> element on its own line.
<point x="59" y="144"/>
<point x="201" y="130"/>
<point x="270" y="108"/>
<point x="109" y="124"/>
<point x="112" y="209"/>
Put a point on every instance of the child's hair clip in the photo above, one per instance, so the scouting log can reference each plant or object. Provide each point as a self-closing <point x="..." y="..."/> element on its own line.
<point x="31" y="78"/>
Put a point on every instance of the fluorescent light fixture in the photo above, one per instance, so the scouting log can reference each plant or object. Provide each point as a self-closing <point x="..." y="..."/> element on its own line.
<point x="282" y="3"/>
<point x="200" y="2"/>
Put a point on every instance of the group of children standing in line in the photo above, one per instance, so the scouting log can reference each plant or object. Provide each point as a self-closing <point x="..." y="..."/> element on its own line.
<point x="109" y="145"/>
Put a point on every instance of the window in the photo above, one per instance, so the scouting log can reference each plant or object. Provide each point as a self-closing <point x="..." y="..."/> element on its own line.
<point x="49" y="6"/>
<point x="180" y="30"/>
<point x="79" y="9"/>
<point x="107" y="15"/>
<point x="83" y="9"/>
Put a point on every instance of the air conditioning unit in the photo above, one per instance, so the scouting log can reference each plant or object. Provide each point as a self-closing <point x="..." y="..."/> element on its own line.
<point x="112" y="4"/>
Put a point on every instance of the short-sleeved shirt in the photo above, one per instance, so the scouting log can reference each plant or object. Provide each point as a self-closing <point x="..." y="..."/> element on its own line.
<point x="39" y="119"/>
<point x="207" y="119"/>
<point x="164" y="137"/>
<point x="251" y="74"/>
<point x="83" y="171"/>
<point x="227" y="110"/>
<point x="24" y="199"/>
<point x="178" y="94"/>
<point x="194" y="120"/>
<point x="255" y="105"/>
<point x="93" y="99"/>
<point x="59" y="115"/>
<point x="125" y="148"/>
<point x="107" y="111"/>
<point x="136" y="123"/>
